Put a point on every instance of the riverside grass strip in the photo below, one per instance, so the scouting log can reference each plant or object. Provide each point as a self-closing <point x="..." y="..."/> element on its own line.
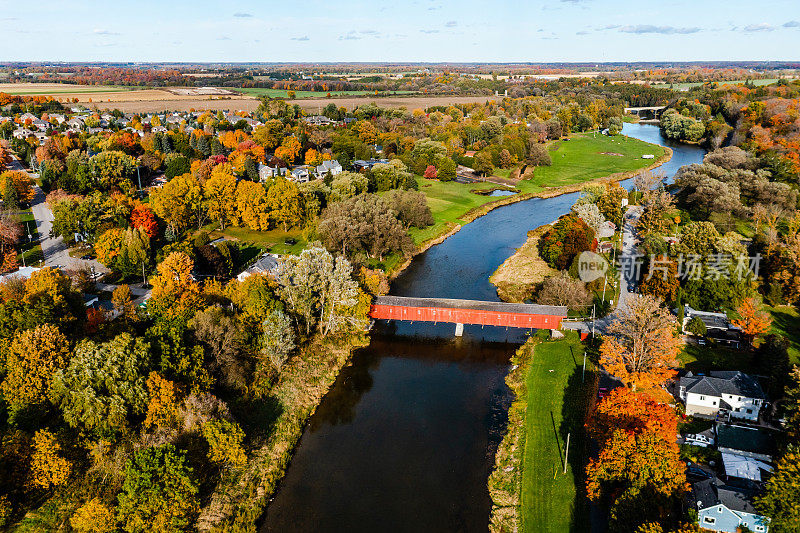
<point x="529" y="491"/>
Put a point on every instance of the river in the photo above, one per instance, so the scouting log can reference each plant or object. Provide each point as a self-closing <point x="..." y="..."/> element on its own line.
<point x="405" y="439"/>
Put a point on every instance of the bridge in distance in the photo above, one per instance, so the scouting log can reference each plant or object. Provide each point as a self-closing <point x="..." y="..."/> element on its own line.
<point x="460" y="312"/>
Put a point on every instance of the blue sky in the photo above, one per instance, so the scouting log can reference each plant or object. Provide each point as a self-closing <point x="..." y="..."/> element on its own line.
<point x="420" y="30"/>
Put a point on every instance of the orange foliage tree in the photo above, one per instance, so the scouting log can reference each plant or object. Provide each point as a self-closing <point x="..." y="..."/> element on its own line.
<point x="642" y="349"/>
<point x="143" y="217"/>
<point x="752" y="321"/>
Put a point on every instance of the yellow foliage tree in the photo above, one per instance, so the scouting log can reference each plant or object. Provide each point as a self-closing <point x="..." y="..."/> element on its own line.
<point x="220" y="194"/>
<point x="93" y="517"/>
<point x="33" y="358"/>
<point x="175" y="292"/>
<point x="252" y="206"/>
<point x="48" y="468"/>
<point x="163" y="407"/>
<point x="178" y="202"/>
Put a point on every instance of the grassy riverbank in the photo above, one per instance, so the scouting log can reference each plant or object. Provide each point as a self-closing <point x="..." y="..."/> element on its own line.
<point x="241" y="498"/>
<point x="529" y="488"/>
<point x="518" y="276"/>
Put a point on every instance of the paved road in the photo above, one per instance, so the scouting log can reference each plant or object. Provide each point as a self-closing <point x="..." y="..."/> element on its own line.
<point x="627" y="272"/>
<point x="54" y="250"/>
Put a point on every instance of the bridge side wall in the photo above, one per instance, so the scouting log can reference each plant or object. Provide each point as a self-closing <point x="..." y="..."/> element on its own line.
<point x="465" y="316"/>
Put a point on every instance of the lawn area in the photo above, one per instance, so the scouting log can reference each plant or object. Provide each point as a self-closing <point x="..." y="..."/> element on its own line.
<point x="449" y="201"/>
<point x="551" y="500"/>
<point x="786" y="322"/>
<point x="689" y="85"/>
<point x="584" y="157"/>
<point x="713" y="357"/>
<point x="273" y="240"/>
<point x="281" y="93"/>
<point x="30" y="251"/>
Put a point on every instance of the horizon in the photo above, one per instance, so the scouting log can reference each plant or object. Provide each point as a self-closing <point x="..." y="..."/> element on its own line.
<point x="569" y="31"/>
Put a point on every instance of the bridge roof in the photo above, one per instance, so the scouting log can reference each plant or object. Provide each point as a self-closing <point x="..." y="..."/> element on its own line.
<point x="478" y="305"/>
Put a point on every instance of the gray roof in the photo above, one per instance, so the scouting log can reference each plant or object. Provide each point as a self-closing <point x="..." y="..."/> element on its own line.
<point x="711" y="492"/>
<point x="746" y="439"/>
<point x="500" y="307"/>
<point x="723" y="382"/>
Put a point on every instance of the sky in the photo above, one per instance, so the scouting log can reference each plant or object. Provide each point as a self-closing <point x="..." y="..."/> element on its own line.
<point x="396" y="31"/>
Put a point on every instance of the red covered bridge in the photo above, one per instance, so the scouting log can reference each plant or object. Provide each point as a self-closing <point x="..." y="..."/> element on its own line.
<point x="460" y="312"/>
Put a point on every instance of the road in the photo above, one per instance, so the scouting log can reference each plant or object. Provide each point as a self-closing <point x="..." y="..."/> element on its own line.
<point x="628" y="274"/>
<point x="54" y="250"/>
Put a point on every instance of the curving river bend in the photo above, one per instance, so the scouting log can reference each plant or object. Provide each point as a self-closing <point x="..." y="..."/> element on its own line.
<point x="405" y="439"/>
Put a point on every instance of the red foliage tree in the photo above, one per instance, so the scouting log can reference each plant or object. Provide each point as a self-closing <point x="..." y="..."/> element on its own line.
<point x="143" y="218"/>
<point x="431" y="172"/>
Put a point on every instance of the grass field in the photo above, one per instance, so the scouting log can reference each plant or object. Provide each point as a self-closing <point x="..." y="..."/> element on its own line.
<point x="273" y="240"/>
<point x="585" y="157"/>
<point x="786" y="322"/>
<point x="449" y="201"/>
<point x="551" y="500"/>
<point x="281" y="93"/>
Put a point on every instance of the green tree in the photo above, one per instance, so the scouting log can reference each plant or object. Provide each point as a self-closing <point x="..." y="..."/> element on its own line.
<point x="159" y="492"/>
<point x="276" y="343"/>
<point x="780" y="500"/>
<point x="696" y="327"/>
<point x="483" y="164"/>
<point x="104" y="384"/>
<point x="114" y="169"/>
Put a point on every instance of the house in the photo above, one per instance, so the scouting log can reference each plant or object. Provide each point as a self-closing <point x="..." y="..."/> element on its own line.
<point x="743" y="467"/>
<point x="718" y="327"/>
<point x="752" y="442"/>
<point x="725" y="508"/>
<point x="300" y="174"/>
<point x="727" y="393"/>
<point x="75" y="123"/>
<point x="362" y="164"/>
<point x="331" y="166"/>
<point x="319" y="120"/>
<point x="266" y="264"/>
<point x="27" y="116"/>
<point x="21" y="273"/>
<point x="266" y="172"/>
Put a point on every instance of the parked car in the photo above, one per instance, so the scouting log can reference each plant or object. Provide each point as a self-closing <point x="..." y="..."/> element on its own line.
<point x="602" y="392"/>
<point x="699" y="440"/>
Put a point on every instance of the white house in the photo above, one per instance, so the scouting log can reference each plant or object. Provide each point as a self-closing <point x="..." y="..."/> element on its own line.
<point x="331" y="166"/>
<point x="266" y="172"/>
<point x="726" y="393"/>
<point x="724" y="508"/>
<point x="300" y="174"/>
<point x="266" y="264"/>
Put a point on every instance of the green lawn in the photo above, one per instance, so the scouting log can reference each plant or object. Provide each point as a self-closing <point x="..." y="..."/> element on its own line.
<point x="281" y="93"/>
<point x="786" y="322"/>
<point x="689" y="85"/>
<point x="449" y="201"/>
<point x="551" y="500"/>
<point x="713" y="357"/>
<point x="30" y="252"/>
<point x="585" y="157"/>
<point x="272" y="240"/>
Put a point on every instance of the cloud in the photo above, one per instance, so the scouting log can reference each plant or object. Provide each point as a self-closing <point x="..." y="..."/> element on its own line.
<point x="664" y="30"/>
<point x="224" y="38"/>
<point x="303" y="38"/>
<point x="369" y="32"/>
<point x="350" y="36"/>
<point x="582" y="33"/>
<point x="105" y="32"/>
<point x="574" y="1"/>
<point x="608" y="27"/>
<point x="243" y="15"/>
<point x="451" y="24"/>
<point x="792" y="24"/>
<point x="429" y="31"/>
<point x="761" y="26"/>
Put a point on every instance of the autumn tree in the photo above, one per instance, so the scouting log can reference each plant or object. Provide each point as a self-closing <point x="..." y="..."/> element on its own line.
<point x="252" y="206"/>
<point x="93" y="517"/>
<point x="48" y="468"/>
<point x="285" y="203"/>
<point x="661" y="280"/>
<point x="225" y="442"/>
<point x="159" y="492"/>
<point x="220" y="334"/>
<point x="179" y="203"/>
<point x="114" y="169"/>
<point x="220" y="195"/>
<point x="21" y="182"/>
<point x="122" y="300"/>
<point x="642" y="346"/>
<point x="175" y="292"/>
<point x="108" y="246"/>
<point x="562" y="289"/>
<point x="143" y="217"/>
<point x="34" y="356"/>
<point x="163" y="403"/>
<point x="752" y="321"/>
<point x="276" y="343"/>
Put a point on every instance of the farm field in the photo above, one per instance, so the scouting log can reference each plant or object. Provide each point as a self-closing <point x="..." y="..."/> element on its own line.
<point x="757" y="83"/>
<point x="60" y="89"/>
<point x="281" y="93"/>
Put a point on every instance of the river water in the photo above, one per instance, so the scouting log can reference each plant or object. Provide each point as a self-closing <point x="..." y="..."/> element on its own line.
<point x="405" y="439"/>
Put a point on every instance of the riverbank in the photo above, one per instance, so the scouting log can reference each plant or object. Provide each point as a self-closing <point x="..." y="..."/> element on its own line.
<point x="447" y="229"/>
<point x="530" y="487"/>
<point x="517" y="278"/>
<point x="240" y="499"/>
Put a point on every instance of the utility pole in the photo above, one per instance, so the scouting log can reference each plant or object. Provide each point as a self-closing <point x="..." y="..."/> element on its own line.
<point x="144" y="279"/>
<point x="566" y="454"/>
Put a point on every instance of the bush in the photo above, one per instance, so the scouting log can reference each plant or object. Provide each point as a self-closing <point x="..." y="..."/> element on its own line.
<point x="564" y="241"/>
